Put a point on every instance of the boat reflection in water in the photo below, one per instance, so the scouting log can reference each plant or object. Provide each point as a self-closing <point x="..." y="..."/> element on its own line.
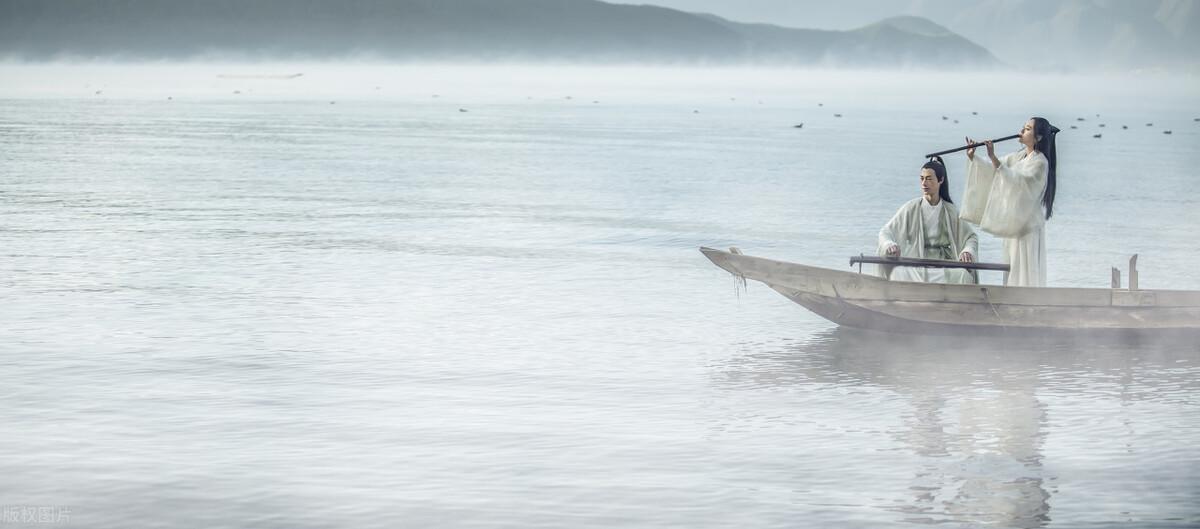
<point x="966" y="420"/>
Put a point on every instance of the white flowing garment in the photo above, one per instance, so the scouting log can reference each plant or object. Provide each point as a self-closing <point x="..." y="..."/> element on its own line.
<point x="930" y="217"/>
<point x="917" y="222"/>
<point x="1007" y="202"/>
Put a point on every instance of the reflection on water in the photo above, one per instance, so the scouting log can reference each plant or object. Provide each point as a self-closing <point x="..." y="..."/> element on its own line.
<point x="977" y="418"/>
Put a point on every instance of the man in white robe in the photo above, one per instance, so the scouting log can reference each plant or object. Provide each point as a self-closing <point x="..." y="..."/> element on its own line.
<point x="928" y="227"/>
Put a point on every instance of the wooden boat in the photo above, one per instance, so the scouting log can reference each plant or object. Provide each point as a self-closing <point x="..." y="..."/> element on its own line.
<point x="863" y="301"/>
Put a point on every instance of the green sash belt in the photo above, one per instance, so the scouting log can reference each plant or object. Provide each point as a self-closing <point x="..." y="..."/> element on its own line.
<point x="939" y="248"/>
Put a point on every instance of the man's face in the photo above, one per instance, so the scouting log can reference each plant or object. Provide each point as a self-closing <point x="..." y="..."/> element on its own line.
<point x="929" y="183"/>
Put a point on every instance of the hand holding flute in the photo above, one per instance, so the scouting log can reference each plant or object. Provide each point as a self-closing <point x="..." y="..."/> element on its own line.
<point x="991" y="150"/>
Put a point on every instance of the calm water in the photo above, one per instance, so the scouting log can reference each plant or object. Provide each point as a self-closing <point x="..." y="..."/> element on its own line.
<point x="347" y="303"/>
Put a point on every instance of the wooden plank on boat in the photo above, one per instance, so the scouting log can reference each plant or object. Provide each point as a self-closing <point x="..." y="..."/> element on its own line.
<point x="926" y="263"/>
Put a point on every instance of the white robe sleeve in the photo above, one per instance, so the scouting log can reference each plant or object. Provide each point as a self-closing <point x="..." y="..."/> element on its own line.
<point x="894" y="232"/>
<point x="970" y="242"/>
<point x="980" y="175"/>
<point x="1014" y="202"/>
<point x="887" y="234"/>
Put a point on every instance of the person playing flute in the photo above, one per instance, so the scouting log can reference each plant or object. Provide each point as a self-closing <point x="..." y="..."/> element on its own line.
<point x="1012" y="197"/>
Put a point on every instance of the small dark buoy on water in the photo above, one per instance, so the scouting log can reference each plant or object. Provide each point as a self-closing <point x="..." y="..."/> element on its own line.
<point x="944" y="118"/>
<point x="973" y="113"/>
<point x="1149" y="124"/>
<point x="800" y="126"/>
<point x="462" y="110"/>
<point x="1166" y="132"/>
<point x="1125" y="126"/>
<point x="1095" y="135"/>
<point x="1101" y="125"/>
<point x="1080" y="119"/>
<point x="956" y="121"/>
<point x="820" y="104"/>
<point x="1074" y="127"/>
<point x="837" y="115"/>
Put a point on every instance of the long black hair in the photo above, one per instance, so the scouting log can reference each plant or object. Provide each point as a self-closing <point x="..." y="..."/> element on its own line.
<point x="1044" y="132"/>
<point x="939" y="170"/>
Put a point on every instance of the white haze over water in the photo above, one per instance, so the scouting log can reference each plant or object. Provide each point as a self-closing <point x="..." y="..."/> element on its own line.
<point x="914" y="89"/>
<point x="234" y="300"/>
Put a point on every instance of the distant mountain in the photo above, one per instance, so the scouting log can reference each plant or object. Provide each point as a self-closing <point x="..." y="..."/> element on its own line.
<point x="471" y="30"/>
<point x="1029" y="34"/>
<point x="898" y="41"/>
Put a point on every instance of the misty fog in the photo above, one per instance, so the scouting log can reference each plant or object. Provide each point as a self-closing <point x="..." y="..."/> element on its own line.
<point x="934" y="90"/>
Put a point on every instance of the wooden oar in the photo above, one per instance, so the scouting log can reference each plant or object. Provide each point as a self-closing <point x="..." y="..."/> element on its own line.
<point x="926" y="263"/>
<point x="971" y="146"/>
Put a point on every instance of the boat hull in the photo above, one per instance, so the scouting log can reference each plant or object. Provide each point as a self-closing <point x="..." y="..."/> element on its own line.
<point x="868" y="302"/>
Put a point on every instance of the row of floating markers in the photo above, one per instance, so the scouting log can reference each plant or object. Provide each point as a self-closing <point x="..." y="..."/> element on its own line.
<point x="1123" y="127"/>
<point x="1102" y="125"/>
<point x="947" y="118"/>
<point x="838" y="115"/>
<point x="944" y="118"/>
<point x="798" y="126"/>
